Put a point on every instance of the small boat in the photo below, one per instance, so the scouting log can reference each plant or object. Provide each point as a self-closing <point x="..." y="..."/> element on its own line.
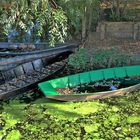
<point x="49" y="88"/>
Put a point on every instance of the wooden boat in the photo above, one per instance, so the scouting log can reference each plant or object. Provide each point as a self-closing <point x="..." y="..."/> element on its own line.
<point x="18" y="66"/>
<point x="20" y="84"/>
<point x="10" y="59"/>
<point x="49" y="87"/>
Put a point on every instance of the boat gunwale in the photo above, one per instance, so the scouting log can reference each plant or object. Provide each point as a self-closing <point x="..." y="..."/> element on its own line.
<point x="67" y="47"/>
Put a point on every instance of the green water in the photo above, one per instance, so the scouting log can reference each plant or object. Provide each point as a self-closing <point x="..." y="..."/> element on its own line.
<point x="116" y="118"/>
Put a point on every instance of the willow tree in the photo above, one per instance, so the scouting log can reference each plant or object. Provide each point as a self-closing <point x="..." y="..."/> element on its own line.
<point x="40" y="18"/>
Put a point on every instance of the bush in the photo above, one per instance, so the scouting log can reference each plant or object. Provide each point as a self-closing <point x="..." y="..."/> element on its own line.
<point x="110" y="58"/>
<point x="80" y="60"/>
<point x="85" y="59"/>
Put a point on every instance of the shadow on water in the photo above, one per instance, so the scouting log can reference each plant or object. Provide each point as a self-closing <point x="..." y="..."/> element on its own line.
<point x="20" y="110"/>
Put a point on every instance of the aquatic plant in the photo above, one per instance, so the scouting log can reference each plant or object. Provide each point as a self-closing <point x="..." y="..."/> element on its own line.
<point x="111" y="118"/>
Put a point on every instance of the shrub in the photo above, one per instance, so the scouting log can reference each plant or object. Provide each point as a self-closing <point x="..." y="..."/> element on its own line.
<point x="80" y="60"/>
<point x="110" y="58"/>
<point x="85" y="59"/>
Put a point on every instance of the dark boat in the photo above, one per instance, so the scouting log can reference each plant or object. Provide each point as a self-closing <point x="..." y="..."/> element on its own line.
<point x="11" y="59"/>
<point x="21" y="70"/>
<point x="49" y="87"/>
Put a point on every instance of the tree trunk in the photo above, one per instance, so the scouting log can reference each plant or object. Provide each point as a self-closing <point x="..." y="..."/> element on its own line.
<point x="124" y="9"/>
<point x="118" y="10"/>
<point x="84" y="27"/>
<point x="90" y="12"/>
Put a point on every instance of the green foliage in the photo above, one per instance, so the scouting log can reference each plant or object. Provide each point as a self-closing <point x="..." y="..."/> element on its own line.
<point x="14" y="135"/>
<point x="57" y="27"/>
<point x="79" y="10"/>
<point x="133" y="119"/>
<point x="130" y="15"/>
<point x="110" y="58"/>
<point x="111" y="118"/>
<point x="40" y="17"/>
<point x="80" y="60"/>
<point x="120" y="11"/>
<point x="89" y="59"/>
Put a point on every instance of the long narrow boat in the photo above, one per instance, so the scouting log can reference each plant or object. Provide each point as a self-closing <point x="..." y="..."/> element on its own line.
<point x="10" y="59"/>
<point x="21" y="70"/>
<point x="49" y="87"/>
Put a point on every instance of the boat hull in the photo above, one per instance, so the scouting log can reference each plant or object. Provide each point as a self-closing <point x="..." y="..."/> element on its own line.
<point x="57" y="68"/>
<point x="128" y="76"/>
<point x="12" y="59"/>
<point x="14" y="65"/>
<point x="93" y="96"/>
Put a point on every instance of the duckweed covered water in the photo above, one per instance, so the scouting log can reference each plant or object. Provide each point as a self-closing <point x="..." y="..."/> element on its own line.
<point x="28" y="118"/>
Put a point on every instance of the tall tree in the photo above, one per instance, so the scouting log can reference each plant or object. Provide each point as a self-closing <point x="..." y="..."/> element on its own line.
<point x="81" y="14"/>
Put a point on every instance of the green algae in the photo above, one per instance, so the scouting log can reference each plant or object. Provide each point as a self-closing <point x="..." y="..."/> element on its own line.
<point x="13" y="135"/>
<point x="112" y="118"/>
<point x="133" y="119"/>
<point x="69" y="110"/>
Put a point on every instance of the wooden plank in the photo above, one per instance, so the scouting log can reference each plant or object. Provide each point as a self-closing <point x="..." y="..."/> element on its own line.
<point x="19" y="71"/>
<point x="8" y="75"/>
<point x="38" y="64"/>
<point x="28" y="68"/>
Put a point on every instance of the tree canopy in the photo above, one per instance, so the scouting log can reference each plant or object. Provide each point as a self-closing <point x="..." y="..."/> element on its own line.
<point x="52" y="20"/>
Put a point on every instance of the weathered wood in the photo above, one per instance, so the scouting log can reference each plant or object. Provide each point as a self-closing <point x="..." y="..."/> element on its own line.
<point x="37" y="64"/>
<point x="8" y="75"/>
<point x="10" y="53"/>
<point x="1" y="78"/>
<point x="12" y="93"/>
<point x="7" y="67"/>
<point x="17" y="46"/>
<point x="19" y="70"/>
<point x="28" y="67"/>
<point x="7" y="63"/>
